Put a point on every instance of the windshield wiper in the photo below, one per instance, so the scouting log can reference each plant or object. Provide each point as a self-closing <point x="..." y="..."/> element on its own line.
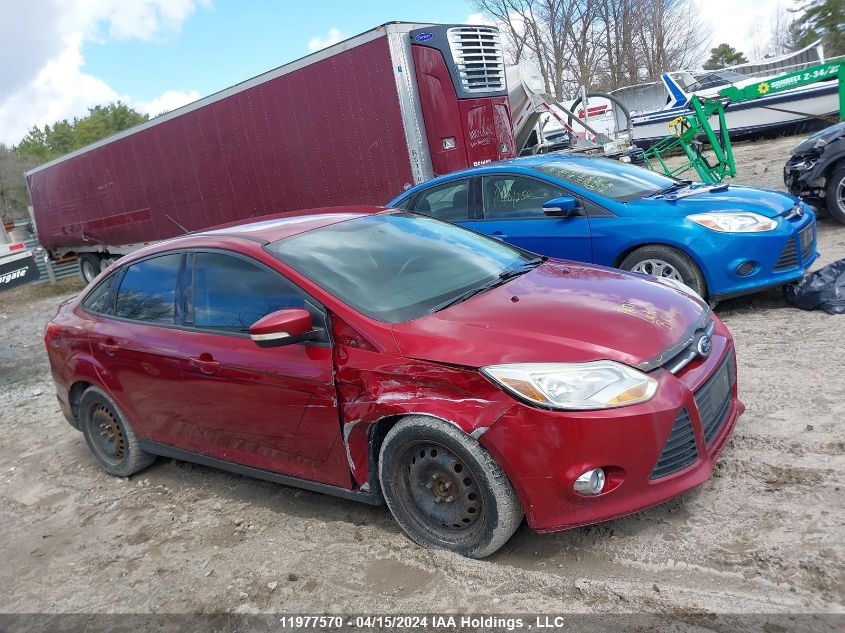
<point x="503" y="277"/>
<point x="673" y="187"/>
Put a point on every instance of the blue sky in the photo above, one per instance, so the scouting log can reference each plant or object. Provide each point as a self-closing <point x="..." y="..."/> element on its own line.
<point x="231" y="41"/>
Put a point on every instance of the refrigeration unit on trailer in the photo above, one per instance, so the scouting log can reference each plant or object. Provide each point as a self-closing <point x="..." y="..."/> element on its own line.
<point x="351" y="124"/>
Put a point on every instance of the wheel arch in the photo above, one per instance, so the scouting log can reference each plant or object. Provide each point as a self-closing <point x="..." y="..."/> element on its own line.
<point x="74" y="395"/>
<point x="378" y="430"/>
<point x="678" y="246"/>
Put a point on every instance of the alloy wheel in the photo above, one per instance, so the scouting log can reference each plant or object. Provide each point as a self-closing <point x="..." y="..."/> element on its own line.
<point x="658" y="268"/>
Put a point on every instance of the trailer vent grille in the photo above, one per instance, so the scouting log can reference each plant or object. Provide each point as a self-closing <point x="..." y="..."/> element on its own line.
<point x="477" y="51"/>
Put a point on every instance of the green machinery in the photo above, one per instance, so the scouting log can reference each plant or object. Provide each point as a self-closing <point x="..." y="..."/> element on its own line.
<point x="689" y="131"/>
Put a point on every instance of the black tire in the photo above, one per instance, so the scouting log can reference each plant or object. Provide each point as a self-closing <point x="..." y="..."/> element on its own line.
<point x="105" y="262"/>
<point x="679" y="261"/>
<point x="109" y="436"/>
<point x="445" y="490"/>
<point x="835" y="195"/>
<point x="89" y="267"/>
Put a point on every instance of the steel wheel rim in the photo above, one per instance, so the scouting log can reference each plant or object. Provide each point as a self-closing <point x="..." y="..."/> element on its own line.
<point x="442" y="489"/>
<point x="658" y="268"/>
<point x="107" y="434"/>
<point x="88" y="271"/>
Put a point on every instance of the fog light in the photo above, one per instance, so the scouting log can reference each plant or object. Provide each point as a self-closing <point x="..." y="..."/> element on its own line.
<point x="590" y="482"/>
<point x="449" y="143"/>
<point x="745" y="268"/>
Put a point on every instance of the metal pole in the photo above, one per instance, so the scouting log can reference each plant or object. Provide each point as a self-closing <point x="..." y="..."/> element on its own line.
<point x="48" y="265"/>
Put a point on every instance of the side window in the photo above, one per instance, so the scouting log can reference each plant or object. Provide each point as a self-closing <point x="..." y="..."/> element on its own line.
<point x="448" y="202"/>
<point x="514" y="197"/>
<point x="148" y="290"/>
<point x="230" y="294"/>
<point x="404" y="204"/>
<point x="98" y="299"/>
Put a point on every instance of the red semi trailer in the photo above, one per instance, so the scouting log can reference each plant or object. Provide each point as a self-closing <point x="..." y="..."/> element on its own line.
<point x="354" y="123"/>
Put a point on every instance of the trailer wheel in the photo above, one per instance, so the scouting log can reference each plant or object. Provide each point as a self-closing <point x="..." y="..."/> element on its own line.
<point x="89" y="267"/>
<point x="109" y="436"/>
<point x="835" y="195"/>
<point x="445" y="490"/>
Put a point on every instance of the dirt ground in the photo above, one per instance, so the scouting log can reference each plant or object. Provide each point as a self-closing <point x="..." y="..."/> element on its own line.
<point x="763" y="535"/>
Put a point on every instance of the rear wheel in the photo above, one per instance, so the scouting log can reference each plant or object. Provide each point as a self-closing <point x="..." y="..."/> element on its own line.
<point x="664" y="261"/>
<point x="445" y="490"/>
<point x="109" y="436"/>
<point x="89" y="266"/>
<point x="835" y="195"/>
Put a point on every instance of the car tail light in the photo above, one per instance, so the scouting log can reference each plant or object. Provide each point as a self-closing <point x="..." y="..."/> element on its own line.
<point x="51" y="334"/>
<point x="16" y="247"/>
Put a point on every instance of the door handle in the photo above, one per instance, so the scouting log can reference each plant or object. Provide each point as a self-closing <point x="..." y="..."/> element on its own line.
<point x="498" y="235"/>
<point x="205" y="363"/>
<point x="109" y="347"/>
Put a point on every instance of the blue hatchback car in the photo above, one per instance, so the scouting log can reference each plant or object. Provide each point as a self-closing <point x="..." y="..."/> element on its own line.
<point x="720" y="240"/>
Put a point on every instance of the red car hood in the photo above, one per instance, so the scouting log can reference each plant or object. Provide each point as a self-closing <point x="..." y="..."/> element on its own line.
<point x="560" y="312"/>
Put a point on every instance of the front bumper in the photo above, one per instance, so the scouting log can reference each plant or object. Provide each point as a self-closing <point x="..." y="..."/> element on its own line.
<point x="777" y="257"/>
<point x="543" y="452"/>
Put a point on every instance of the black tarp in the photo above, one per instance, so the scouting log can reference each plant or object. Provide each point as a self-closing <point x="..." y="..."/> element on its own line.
<point x="821" y="290"/>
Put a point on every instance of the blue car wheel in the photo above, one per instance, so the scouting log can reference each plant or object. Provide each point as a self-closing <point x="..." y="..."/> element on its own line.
<point x="665" y="261"/>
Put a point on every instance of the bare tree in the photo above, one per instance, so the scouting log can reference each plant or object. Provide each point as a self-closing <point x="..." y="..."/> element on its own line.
<point x="600" y="43"/>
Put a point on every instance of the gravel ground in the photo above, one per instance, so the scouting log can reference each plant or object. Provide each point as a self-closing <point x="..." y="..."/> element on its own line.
<point x="763" y="535"/>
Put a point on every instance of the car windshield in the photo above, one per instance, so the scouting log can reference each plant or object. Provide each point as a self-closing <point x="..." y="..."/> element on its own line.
<point x="605" y="177"/>
<point x="398" y="266"/>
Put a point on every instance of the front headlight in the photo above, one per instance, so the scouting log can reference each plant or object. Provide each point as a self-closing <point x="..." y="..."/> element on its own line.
<point x="599" y="384"/>
<point x="734" y="222"/>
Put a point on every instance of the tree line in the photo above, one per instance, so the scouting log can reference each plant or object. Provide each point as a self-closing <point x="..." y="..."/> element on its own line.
<point x="41" y="145"/>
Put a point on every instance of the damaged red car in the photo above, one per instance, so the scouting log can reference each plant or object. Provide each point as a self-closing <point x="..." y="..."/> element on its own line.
<point x="389" y="357"/>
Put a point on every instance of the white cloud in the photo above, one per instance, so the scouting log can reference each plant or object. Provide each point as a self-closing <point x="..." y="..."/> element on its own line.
<point x="734" y="22"/>
<point x="168" y="101"/>
<point x="45" y="80"/>
<point x="479" y="18"/>
<point x="333" y="37"/>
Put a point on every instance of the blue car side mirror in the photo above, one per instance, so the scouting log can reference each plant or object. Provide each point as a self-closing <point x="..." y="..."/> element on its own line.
<point x="563" y="206"/>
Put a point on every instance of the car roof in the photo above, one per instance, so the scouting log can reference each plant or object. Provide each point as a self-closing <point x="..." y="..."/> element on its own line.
<point x="278" y="226"/>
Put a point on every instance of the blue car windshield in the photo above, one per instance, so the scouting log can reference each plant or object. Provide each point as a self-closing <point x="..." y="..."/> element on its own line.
<point x="400" y="266"/>
<point x="605" y="177"/>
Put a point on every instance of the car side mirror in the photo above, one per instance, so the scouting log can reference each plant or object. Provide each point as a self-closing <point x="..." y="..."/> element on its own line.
<point x="282" y="327"/>
<point x="564" y="206"/>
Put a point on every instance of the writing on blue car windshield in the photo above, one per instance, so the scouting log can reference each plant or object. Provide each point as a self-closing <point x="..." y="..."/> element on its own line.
<point x="606" y="177"/>
<point x="400" y="266"/>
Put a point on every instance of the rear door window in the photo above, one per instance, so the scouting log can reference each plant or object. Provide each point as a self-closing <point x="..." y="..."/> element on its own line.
<point x="101" y="299"/>
<point x="148" y="290"/>
<point x="231" y="293"/>
<point x="448" y="202"/>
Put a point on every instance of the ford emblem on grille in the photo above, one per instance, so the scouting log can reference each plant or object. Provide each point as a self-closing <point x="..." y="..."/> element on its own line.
<point x="704" y="346"/>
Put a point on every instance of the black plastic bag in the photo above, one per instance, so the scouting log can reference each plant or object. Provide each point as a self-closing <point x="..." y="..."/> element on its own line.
<point x="821" y="290"/>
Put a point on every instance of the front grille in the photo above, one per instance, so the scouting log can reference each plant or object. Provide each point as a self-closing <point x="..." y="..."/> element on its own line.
<point x="788" y="257"/>
<point x="679" y="451"/>
<point x="713" y="399"/>
<point x="477" y="51"/>
<point x="806" y="239"/>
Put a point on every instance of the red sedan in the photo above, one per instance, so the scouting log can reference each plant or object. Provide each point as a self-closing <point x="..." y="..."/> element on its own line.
<point x="389" y="357"/>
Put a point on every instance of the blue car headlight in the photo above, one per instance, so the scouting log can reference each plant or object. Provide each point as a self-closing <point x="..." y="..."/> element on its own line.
<point x="740" y="222"/>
